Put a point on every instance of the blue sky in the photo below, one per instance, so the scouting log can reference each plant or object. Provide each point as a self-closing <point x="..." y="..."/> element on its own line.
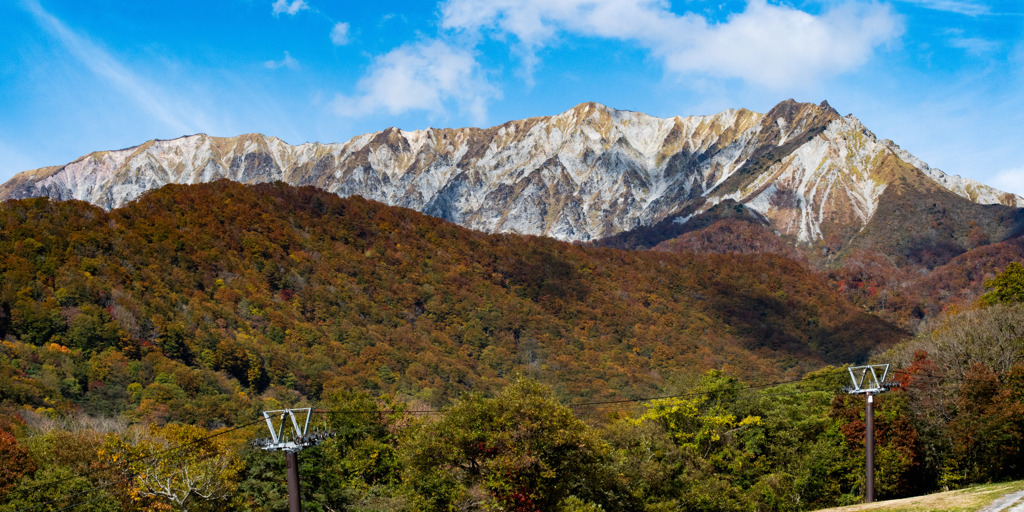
<point x="942" y="78"/>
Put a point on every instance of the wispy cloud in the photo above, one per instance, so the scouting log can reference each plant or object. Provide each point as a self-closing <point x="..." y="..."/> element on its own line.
<point x="290" y="8"/>
<point x="286" y="62"/>
<point x="974" y="45"/>
<point x="107" y="67"/>
<point x="430" y="75"/>
<point x="770" y="45"/>
<point x="966" y="7"/>
<point x="339" y="34"/>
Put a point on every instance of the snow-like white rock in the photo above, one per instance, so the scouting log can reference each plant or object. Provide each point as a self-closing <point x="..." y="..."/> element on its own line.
<point x="587" y="173"/>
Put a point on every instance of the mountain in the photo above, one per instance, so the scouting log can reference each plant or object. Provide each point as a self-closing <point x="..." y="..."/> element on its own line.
<point x="587" y="174"/>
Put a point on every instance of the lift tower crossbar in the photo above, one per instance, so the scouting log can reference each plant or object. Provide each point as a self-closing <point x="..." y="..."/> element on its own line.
<point x="290" y="441"/>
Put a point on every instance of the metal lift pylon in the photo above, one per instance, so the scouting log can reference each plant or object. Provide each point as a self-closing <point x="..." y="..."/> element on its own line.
<point x="869" y="380"/>
<point x="291" y="441"/>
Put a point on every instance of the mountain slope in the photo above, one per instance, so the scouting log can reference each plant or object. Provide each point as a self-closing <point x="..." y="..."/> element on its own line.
<point x="585" y="174"/>
<point x="288" y="287"/>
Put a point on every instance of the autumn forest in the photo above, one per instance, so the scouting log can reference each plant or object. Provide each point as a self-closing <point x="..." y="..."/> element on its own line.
<point x="469" y="371"/>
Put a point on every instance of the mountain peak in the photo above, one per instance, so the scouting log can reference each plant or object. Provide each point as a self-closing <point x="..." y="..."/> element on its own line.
<point x="587" y="173"/>
<point x="590" y="106"/>
<point x="791" y="110"/>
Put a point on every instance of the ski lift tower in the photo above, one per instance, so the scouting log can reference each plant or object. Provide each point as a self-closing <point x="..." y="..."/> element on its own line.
<point x="290" y="434"/>
<point x="869" y="380"/>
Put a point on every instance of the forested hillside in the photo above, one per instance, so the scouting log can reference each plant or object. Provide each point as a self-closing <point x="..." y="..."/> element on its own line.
<point x="461" y="370"/>
<point x="278" y="289"/>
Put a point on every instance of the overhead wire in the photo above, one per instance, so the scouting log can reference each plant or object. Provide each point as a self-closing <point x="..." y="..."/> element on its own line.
<point x="765" y="386"/>
<point x="596" y="403"/>
<point x="704" y="392"/>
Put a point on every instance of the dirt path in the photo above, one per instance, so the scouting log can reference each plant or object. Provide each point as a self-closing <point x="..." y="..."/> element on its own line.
<point x="1002" y="497"/>
<point x="1013" y="502"/>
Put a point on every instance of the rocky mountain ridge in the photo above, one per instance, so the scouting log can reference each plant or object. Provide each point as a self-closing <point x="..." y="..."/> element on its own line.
<point x="585" y="174"/>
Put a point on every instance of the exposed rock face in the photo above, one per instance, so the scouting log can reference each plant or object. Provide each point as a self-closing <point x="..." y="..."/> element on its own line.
<point x="587" y="173"/>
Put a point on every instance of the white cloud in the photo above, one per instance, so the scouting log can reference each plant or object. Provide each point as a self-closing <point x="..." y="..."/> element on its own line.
<point x="968" y="7"/>
<point x="429" y="75"/>
<point x="1011" y="180"/>
<point x="974" y="45"/>
<point x="101" y="63"/>
<point x="779" y="46"/>
<point x="283" y="6"/>
<point x="771" y="45"/>
<point x="287" y="62"/>
<point x="339" y="34"/>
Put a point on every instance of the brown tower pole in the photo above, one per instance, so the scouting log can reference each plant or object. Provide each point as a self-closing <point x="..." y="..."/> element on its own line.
<point x="867" y="381"/>
<point x="300" y="437"/>
<point x="294" y="498"/>
<point x="869" y="448"/>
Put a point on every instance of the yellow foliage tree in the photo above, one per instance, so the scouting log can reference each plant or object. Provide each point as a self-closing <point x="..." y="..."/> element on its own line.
<point x="183" y="467"/>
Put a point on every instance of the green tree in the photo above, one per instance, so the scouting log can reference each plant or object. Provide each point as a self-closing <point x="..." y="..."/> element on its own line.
<point x="261" y="484"/>
<point x="798" y="458"/>
<point x="358" y="469"/>
<point x="520" y="450"/>
<point x="704" y="427"/>
<point x="57" y="488"/>
<point x="1007" y="287"/>
<point x="648" y="461"/>
<point x="699" y="424"/>
<point x="54" y="466"/>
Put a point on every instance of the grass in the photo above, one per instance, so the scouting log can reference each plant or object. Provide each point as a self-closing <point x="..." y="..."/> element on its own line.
<point x="962" y="500"/>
